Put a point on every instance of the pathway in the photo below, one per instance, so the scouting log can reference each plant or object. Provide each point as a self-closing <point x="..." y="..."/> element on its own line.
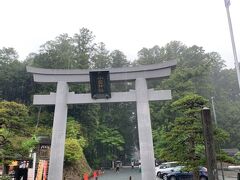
<point x="126" y="172"/>
<point x="123" y="174"/>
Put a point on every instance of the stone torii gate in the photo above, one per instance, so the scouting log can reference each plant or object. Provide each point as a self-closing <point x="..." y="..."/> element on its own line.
<point x="141" y="95"/>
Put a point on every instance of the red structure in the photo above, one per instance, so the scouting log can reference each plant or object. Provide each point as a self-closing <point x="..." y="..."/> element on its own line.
<point x="85" y="176"/>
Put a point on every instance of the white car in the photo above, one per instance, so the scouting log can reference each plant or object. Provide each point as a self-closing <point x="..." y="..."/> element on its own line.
<point x="165" y="168"/>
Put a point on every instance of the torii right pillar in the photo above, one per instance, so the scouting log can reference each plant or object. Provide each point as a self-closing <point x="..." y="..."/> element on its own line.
<point x="145" y="130"/>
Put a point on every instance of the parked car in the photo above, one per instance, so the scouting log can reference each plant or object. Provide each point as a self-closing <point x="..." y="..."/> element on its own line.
<point x="178" y="175"/>
<point x="165" y="168"/>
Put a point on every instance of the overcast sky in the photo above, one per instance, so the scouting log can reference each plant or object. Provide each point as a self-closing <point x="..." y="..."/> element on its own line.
<point x="127" y="25"/>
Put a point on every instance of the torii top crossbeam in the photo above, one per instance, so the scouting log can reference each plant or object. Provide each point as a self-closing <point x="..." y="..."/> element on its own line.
<point x="116" y="74"/>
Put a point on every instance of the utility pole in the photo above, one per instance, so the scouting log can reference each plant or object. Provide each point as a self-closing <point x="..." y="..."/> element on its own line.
<point x="218" y="145"/>
<point x="227" y="4"/>
<point x="214" y="112"/>
<point x="209" y="144"/>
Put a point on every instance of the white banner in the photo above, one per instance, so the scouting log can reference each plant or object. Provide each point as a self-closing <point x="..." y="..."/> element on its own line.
<point x="30" y="174"/>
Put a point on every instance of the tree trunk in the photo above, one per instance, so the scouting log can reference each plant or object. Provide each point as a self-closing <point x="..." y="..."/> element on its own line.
<point x="113" y="164"/>
<point x="3" y="167"/>
<point x="195" y="175"/>
<point x="193" y="157"/>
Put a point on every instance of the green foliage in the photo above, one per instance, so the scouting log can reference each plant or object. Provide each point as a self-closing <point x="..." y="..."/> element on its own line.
<point x="237" y="156"/>
<point x="160" y="141"/>
<point x="109" y="144"/>
<point x="5" y="178"/>
<point x="110" y="138"/>
<point x="74" y="143"/>
<point x="20" y="146"/>
<point x="65" y="52"/>
<point x="13" y="116"/>
<point x="84" y="47"/>
<point x="221" y="135"/>
<point x="29" y="144"/>
<point x="184" y="141"/>
<point x="14" y="81"/>
<point x="224" y="157"/>
<point x="118" y="59"/>
<point x="189" y="104"/>
<point x="228" y="119"/>
<point x="46" y="131"/>
<point x="185" y="138"/>
<point x="197" y="72"/>
<point x="7" y="56"/>
<point x="101" y="58"/>
<point x="73" y="128"/>
<point x="73" y="150"/>
<point x="4" y="137"/>
<point x="56" y="53"/>
<point x="77" y="169"/>
<point x="16" y="140"/>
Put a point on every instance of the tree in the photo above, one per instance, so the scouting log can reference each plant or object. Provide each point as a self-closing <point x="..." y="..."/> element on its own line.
<point x="7" y="56"/>
<point x="118" y="59"/>
<point x="75" y="142"/>
<point x="14" y="81"/>
<point x="16" y="139"/>
<point x="65" y="52"/>
<point x="84" y="48"/>
<point x="100" y="59"/>
<point x="13" y="117"/>
<point x="172" y="51"/>
<point x="197" y="72"/>
<point x="228" y="119"/>
<point x="149" y="56"/>
<point x="122" y="116"/>
<point x="193" y="74"/>
<point x="109" y="143"/>
<point x="185" y="138"/>
<point x="56" y="53"/>
<point x="75" y="164"/>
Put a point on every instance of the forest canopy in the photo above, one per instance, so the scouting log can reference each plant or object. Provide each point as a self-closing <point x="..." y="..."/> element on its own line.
<point x="107" y="132"/>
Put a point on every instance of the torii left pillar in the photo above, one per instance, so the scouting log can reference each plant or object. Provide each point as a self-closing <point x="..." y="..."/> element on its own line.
<point x="145" y="130"/>
<point x="58" y="133"/>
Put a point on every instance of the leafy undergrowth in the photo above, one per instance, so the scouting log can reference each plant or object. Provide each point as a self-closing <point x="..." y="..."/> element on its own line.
<point x="5" y="178"/>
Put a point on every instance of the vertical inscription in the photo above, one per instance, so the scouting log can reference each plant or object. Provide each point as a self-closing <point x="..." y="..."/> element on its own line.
<point x="100" y="84"/>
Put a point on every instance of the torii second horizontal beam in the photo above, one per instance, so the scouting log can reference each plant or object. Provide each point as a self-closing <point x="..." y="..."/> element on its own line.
<point x="116" y="97"/>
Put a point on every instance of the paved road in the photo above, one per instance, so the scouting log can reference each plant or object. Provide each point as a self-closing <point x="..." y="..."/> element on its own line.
<point x="228" y="175"/>
<point x="124" y="174"/>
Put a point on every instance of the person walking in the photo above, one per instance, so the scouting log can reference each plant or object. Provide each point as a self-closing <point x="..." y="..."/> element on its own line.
<point x="132" y="164"/>
<point x="117" y="167"/>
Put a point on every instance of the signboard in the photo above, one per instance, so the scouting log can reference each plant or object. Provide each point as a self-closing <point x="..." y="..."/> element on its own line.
<point x="40" y="170"/>
<point x="30" y="174"/>
<point x="100" y="84"/>
<point x="44" y="151"/>
<point x="45" y="169"/>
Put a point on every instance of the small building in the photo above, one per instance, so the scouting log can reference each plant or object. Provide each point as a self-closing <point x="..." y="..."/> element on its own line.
<point x="43" y="148"/>
<point x="231" y="152"/>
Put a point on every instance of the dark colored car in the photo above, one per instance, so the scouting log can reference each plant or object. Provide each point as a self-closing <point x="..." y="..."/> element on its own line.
<point x="180" y="175"/>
